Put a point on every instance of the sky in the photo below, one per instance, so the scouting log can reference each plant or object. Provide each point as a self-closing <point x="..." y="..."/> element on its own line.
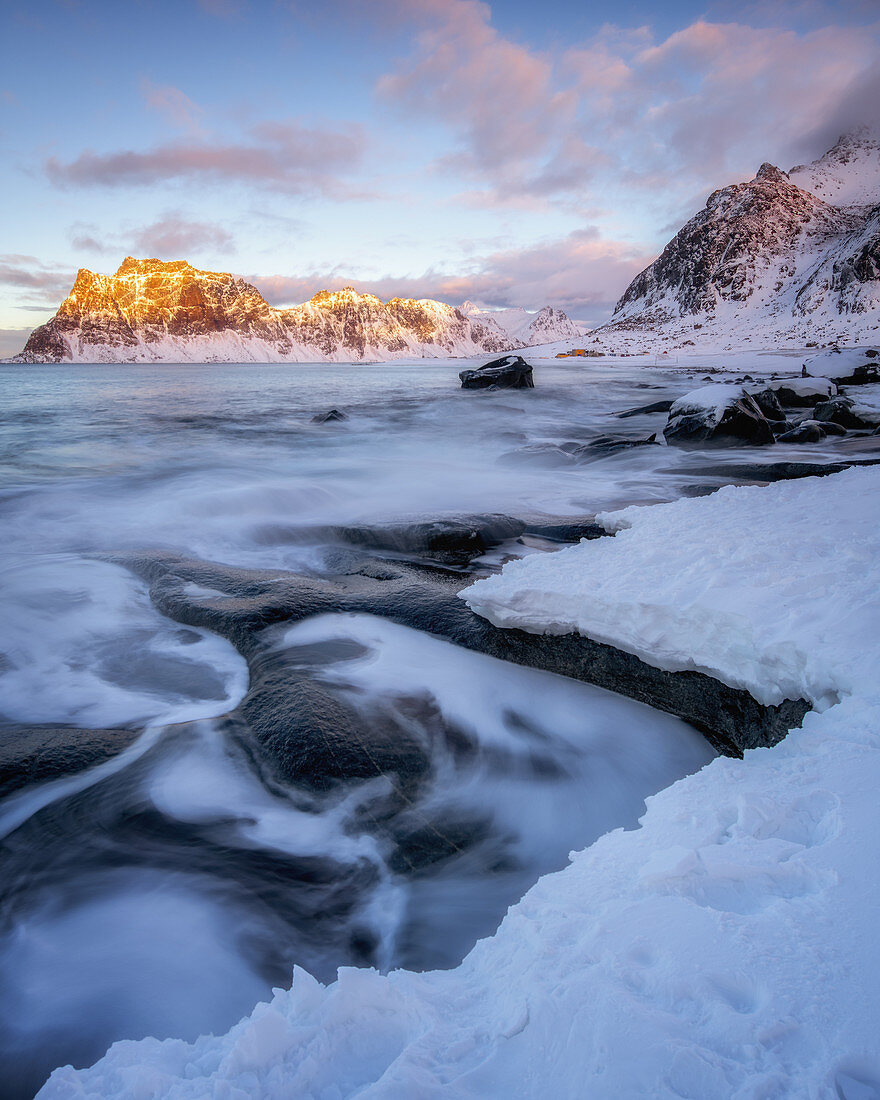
<point x="511" y="153"/>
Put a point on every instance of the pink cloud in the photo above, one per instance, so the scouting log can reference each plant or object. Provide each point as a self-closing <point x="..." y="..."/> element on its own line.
<point x="582" y="273"/>
<point x="693" y="110"/>
<point x="286" y="157"/>
<point x="171" y="102"/>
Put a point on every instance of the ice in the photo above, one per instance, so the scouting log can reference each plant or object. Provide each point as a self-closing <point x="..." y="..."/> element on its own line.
<point x="728" y="947"/>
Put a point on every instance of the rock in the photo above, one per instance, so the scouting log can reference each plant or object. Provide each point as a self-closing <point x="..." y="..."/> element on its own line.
<point x="543" y="456"/>
<point x="803" y="393"/>
<point x="841" y="410"/>
<point x="329" y="416"/>
<point x="810" y="431"/>
<point x="510" y="372"/>
<point x="298" y="730"/>
<point x="608" y="445"/>
<point x="846" y="366"/>
<point x="719" y="414"/>
<point x="656" y="407"/>
<point x="768" y="402"/>
<point x="35" y="754"/>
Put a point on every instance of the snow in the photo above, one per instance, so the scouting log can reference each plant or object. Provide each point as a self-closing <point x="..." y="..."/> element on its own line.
<point x="728" y="947"/>
<point x="803" y="387"/>
<point x="841" y="362"/>
<point x="713" y="399"/>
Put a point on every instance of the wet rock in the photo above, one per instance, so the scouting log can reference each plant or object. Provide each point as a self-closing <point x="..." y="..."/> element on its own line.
<point x="434" y="842"/>
<point x="803" y="393"/>
<point x="509" y="372"/>
<point x="451" y="541"/>
<point x="810" y="431"/>
<point x="841" y="410"/>
<point x="324" y="741"/>
<point x="329" y="417"/>
<point x="36" y="754"/>
<point x="770" y="471"/>
<point x="543" y="456"/>
<point x="655" y="407"/>
<point x="721" y="415"/>
<point x="768" y="402"/>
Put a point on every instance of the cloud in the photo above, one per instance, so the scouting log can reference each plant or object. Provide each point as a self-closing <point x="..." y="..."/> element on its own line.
<point x="27" y="273"/>
<point x="583" y="273"/>
<point x="171" y="102"/>
<point x="173" y="236"/>
<point x="286" y="157"/>
<point x="629" y="109"/>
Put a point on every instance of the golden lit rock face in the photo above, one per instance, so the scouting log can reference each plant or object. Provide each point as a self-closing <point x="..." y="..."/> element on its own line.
<point x="152" y="309"/>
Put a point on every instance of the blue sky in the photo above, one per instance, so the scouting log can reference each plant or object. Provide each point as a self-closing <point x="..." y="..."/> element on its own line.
<point x="514" y="153"/>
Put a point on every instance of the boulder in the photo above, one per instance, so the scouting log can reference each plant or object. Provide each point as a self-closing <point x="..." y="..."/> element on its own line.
<point x="510" y="372"/>
<point x="803" y="393"/>
<point x="850" y="366"/>
<point x="768" y="402"/>
<point x="809" y="431"/>
<point x="842" y="411"/>
<point x="721" y="414"/>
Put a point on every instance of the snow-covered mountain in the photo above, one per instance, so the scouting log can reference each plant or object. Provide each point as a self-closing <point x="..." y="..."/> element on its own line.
<point x="527" y="329"/>
<point x="153" y="311"/>
<point x="785" y="257"/>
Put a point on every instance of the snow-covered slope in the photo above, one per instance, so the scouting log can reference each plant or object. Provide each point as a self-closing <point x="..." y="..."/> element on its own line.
<point x="784" y="258"/>
<point x="154" y="311"/>
<point x="728" y="947"/>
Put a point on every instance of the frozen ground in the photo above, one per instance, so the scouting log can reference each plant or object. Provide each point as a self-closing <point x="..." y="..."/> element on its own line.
<point x="728" y="947"/>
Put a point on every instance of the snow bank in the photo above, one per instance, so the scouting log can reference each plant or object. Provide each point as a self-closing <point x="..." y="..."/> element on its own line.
<point x="734" y="581"/>
<point x="727" y="948"/>
<point x="842" y="362"/>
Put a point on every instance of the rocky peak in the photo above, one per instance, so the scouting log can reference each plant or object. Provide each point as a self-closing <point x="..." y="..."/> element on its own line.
<point x="770" y="173"/>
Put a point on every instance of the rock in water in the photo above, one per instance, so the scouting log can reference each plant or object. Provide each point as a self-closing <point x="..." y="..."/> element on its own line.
<point x="717" y="414"/>
<point x="510" y="372"/>
<point x="329" y="416"/>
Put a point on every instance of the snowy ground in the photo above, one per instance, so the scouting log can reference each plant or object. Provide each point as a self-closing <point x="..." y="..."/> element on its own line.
<point x="728" y="947"/>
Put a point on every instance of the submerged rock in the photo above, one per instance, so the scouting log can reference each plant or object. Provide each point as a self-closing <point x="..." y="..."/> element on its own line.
<point x="654" y="407"/>
<point x="809" y="431"/>
<point x="510" y="372"/>
<point x="35" y="754"/>
<point x="329" y="416"/>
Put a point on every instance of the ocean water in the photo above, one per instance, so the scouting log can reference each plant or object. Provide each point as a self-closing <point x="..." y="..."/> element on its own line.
<point x="168" y="889"/>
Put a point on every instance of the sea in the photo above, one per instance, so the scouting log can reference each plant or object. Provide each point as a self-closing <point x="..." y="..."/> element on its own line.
<point x="167" y="888"/>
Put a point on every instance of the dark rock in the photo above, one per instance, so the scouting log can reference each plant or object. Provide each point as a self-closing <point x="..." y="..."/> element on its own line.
<point x="799" y="397"/>
<point x="839" y="410"/>
<point x="607" y="445"/>
<point x="35" y="754"/>
<point x="769" y="471"/>
<point x="656" y="407"/>
<point x="828" y="426"/>
<point x="768" y="403"/>
<point x="810" y="431"/>
<point x="742" y="422"/>
<point x="329" y="416"/>
<point x="567" y="531"/>
<point x="434" y="842"/>
<point x="508" y="372"/>
<point x="326" y="743"/>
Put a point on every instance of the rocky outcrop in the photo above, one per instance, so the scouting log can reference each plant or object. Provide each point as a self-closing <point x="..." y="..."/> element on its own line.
<point x="155" y="311"/>
<point x="511" y="372"/>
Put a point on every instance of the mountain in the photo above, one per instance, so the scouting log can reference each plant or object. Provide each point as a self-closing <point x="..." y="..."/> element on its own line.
<point x="153" y="311"/>
<point x="784" y="258"/>
<point x="527" y="329"/>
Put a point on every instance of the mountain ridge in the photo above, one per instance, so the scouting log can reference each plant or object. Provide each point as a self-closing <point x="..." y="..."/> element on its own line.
<point x="153" y="311"/>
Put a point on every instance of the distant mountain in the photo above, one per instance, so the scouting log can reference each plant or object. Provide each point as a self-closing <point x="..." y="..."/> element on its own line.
<point x="785" y="258"/>
<point x="527" y="329"/>
<point x="151" y="311"/>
